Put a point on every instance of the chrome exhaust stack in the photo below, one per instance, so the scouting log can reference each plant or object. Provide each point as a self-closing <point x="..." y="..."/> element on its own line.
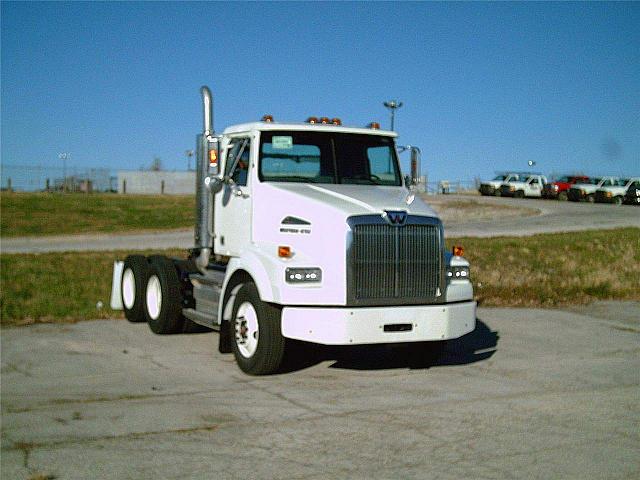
<point x="206" y="145"/>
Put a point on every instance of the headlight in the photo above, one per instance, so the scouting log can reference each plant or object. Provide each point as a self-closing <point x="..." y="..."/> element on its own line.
<point x="608" y="194"/>
<point x="637" y="192"/>
<point x="303" y="275"/>
<point x="458" y="273"/>
<point x="555" y="187"/>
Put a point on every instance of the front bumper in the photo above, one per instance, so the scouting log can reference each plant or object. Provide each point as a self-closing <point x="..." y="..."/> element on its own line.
<point x="351" y="326"/>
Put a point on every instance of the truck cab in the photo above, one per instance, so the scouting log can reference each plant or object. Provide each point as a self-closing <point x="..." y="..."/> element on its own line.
<point x="492" y="187"/>
<point x="307" y="231"/>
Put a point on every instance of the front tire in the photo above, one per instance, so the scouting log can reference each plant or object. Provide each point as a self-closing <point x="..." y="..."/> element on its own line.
<point x="163" y="297"/>
<point x="591" y="198"/>
<point x="256" y="336"/>
<point x="617" y="201"/>
<point x="519" y="194"/>
<point x="562" y="196"/>
<point x="132" y="285"/>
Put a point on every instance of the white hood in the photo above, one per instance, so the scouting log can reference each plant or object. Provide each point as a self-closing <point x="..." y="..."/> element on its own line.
<point x="353" y="199"/>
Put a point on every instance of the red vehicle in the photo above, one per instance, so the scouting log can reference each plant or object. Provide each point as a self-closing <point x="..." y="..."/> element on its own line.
<point x="559" y="188"/>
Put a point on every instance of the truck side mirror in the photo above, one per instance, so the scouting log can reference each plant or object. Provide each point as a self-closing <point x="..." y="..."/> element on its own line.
<point x="213" y="184"/>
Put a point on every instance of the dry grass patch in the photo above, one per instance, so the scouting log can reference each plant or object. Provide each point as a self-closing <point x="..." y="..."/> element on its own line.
<point x="456" y="209"/>
<point x="555" y="269"/>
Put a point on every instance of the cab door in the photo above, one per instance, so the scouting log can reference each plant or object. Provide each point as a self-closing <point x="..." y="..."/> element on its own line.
<point x="232" y="211"/>
<point x="534" y="187"/>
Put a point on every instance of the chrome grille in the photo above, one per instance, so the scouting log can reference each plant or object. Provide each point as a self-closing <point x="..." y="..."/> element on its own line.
<point x="394" y="265"/>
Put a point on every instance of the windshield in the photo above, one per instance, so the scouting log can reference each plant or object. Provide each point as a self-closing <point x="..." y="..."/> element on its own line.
<point x="328" y="157"/>
<point x="564" y="179"/>
<point x="593" y="181"/>
<point x="500" y="177"/>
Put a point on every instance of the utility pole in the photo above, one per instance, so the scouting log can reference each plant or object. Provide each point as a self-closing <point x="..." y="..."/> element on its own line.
<point x="392" y="105"/>
<point x="189" y="154"/>
<point x="63" y="156"/>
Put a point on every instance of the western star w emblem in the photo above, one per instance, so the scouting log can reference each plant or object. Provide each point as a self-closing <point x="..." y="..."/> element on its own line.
<point x="397" y="219"/>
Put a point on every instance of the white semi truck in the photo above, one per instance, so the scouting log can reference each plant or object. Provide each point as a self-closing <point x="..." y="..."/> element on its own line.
<point x="304" y="231"/>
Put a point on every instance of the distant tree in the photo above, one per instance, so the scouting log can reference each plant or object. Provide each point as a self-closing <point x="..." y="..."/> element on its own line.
<point x="156" y="164"/>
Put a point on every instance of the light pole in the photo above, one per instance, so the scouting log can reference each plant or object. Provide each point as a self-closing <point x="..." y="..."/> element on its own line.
<point x="392" y="105"/>
<point x="63" y="156"/>
<point x="189" y="154"/>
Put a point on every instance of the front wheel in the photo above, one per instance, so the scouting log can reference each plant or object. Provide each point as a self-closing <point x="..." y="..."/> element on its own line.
<point x="562" y="196"/>
<point x="519" y="194"/>
<point x="257" y="341"/>
<point x="591" y="198"/>
<point x="617" y="200"/>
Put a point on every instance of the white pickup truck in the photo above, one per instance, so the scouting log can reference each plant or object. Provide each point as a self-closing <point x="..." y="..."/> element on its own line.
<point x="529" y="186"/>
<point x="492" y="187"/>
<point x="615" y="193"/>
<point x="587" y="191"/>
<point x="304" y="231"/>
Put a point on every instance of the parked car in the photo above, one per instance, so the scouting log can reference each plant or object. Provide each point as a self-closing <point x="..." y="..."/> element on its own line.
<point x="586" y="191"/>
<point x="558" y="189"/>
<point x="530" y="186"/>
<point x="492" y="187"/>
<point x="615" y="193"/>
<point x="632" y="197"/>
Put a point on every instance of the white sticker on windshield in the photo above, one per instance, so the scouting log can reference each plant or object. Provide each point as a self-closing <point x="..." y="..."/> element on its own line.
<point x="282" y="143"/>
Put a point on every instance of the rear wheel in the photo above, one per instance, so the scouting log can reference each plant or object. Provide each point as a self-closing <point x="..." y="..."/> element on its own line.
<point x="617" y="200"/>
<point x="132" y="286"/>
<point x="591" y="198"/>
<point x="163" y="297"/>
<point x="519" y="194"/>
<point x="256" y="336"/>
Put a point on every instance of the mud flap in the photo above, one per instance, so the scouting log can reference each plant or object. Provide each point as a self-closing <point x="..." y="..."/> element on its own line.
<point x="116" y="285"/>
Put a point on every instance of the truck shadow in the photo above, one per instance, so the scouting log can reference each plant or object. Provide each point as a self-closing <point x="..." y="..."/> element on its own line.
<point x="474" y="347"/>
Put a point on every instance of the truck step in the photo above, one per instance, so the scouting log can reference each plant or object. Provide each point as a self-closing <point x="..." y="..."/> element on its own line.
<point x="201" y="318"/>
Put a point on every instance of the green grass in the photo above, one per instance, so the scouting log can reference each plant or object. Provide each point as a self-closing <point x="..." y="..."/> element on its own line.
<point x="34" y="214"/>
<point x="547" y="270"/>
<point x="54" y="287"/>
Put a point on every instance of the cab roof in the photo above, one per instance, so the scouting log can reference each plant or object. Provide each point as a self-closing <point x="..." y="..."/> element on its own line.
<point x="268" y="126"/>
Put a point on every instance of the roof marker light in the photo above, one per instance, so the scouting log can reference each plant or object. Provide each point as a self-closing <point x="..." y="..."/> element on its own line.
<point x="312" y="120"/>
<point x="374" y="126"/>
<point x="267" y="118"/>
<point x="324" y="120"/>
<point x="336" y="121"/>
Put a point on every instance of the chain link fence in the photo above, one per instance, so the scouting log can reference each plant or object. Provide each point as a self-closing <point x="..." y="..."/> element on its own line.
<point x="36" y="178"/>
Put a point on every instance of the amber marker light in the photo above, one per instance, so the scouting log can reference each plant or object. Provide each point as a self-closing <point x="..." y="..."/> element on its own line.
<point x="458" y="251"/>
<point x="213" y="157"/>
<point x="374" y="126"/>
<point x="284" y="251"/>
<point x="267" y="118"/>
<point x="312" y="120"/>
<point x="336" y="121"/>
<point x="324" y="120"/>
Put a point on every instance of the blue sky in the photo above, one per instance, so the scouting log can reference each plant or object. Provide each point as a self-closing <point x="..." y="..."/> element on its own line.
<point x="485" y="86"/>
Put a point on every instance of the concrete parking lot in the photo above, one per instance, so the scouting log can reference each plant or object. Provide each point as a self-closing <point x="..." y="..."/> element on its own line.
<point x="528" y="394"/>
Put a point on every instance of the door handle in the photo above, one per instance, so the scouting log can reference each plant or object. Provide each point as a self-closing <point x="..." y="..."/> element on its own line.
<point x="237" y="191"/>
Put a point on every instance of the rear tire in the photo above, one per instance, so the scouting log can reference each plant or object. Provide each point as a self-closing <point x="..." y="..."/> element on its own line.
<point x="591" y="198"/>
<point x="519" y="194"/>
<point x="132" y="287"/>
<point x="256" y="336"/>
<point x="163" y="297"/>
<point x="617" y="200"/>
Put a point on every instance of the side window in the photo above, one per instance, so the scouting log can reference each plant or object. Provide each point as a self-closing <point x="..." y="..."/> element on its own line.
<point x="534" y="181"/>
<point x="381" y="164"/>
<point x="607" y="183"/>
<point x="239" y="155"/>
